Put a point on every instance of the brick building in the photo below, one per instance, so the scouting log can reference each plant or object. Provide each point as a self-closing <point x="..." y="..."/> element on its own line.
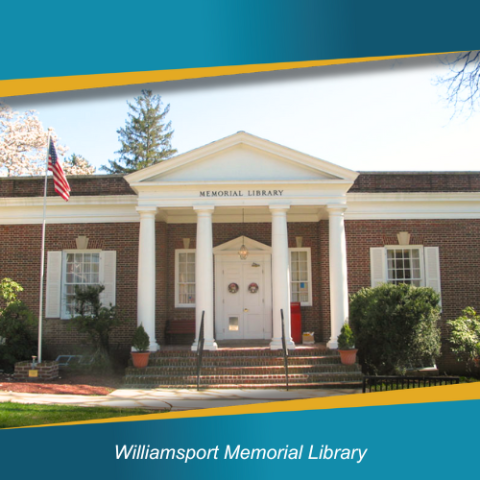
<point x="165" y="242"/>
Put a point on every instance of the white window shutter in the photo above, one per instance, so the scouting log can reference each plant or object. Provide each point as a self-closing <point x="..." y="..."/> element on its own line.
<point x="108" y="277"/>
<point x="54" y="285"/>
<point x="377" y="266"/>
<point x="432" y="268"/>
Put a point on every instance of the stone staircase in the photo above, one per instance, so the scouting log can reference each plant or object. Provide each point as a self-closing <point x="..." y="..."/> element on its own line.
<point x="245" y="367"/>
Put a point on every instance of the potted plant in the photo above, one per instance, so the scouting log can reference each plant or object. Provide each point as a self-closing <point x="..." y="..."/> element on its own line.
<point x="346" y="345"/>
<point x="140" y="343"/>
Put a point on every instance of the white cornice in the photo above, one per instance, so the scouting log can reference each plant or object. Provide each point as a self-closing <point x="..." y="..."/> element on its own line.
<point x="409" y="206"/>
<point x="88" y="209"/>
<point x="74" y="201"/>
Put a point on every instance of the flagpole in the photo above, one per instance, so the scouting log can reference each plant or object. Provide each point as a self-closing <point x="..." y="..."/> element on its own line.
<point x="42" y="262"/>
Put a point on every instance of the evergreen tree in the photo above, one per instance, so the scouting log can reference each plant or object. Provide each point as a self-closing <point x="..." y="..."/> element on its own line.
<point x="146" y="138"/>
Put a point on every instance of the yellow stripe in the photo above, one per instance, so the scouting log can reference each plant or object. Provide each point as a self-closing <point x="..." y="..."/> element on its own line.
<point x="448" y="393"/>
<point x="29" y="86"/>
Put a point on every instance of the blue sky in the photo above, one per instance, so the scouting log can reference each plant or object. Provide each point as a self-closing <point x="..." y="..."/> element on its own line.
<point x="375" y="116"/>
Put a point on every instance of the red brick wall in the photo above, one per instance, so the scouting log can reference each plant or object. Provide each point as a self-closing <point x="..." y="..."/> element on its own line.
<point x="417" y="182"/>
<point x="82" y="185"/>
<point x="20" y="260"/>
<point x="459" y="261"/>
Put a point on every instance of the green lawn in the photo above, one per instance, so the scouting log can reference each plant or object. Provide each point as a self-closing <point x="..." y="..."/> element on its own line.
<point x="23" y="415"/>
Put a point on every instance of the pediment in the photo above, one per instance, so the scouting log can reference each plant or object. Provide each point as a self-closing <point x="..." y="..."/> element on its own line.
<point x="233" y="246"/>
<point x="241" y="158"/>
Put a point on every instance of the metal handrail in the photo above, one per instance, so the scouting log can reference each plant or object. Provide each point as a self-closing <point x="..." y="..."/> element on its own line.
<point x="284" y="348"/>
<point x="201" y="341"/>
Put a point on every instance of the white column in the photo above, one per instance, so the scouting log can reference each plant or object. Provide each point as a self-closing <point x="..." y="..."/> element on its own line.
<point x="338" y="271"/>
<point x="146" y="274"/>
<point x="280" y="277"/>
<point x="204" y="277"/>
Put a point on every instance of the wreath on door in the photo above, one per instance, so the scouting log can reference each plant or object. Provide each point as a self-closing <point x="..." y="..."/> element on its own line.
<point x="233" y="288"/>
<point x="253" y="288"/>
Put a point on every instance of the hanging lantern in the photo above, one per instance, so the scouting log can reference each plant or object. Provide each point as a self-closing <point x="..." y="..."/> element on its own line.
<point x="243" y="252"/>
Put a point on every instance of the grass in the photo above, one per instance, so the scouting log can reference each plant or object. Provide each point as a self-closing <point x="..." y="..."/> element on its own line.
<point x="23" y="415"/>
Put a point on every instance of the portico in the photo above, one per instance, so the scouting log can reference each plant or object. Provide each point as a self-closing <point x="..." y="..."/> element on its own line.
<point x="242" y="179"/>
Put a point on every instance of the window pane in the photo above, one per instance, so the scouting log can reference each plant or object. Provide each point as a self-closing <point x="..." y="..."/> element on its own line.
<point x="186" y="278"/>
<point x="80" y="269"/>
<point x="403" y="266"/>
<point x="299" y="271"/>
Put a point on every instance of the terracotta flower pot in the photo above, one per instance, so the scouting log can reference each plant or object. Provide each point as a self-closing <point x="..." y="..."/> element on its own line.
<point x="348" y="357"/>
<point x="140" y="359"/>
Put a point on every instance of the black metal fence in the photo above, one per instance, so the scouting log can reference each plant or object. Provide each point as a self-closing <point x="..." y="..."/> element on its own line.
<point x="382" y="384"/>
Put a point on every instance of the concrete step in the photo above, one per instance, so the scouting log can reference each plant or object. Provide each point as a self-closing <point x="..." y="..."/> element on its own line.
<point x="316" y="350"/>
<point x="245" y="367"/>
<point x="244" y="361"/>
<point x="191" y="369"/>
<point x="154" y="381"/>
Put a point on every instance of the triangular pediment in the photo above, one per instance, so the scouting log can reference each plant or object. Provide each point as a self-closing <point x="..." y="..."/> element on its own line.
<point x="241" y="158"/>
<point x="233" y="246"/>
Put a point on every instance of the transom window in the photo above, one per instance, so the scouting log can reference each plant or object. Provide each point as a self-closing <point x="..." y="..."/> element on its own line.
<point x="301" y="276"/>
<point x="405" y="265"/>
<point x="185" y="278"/>
<point x="81" y="268"/>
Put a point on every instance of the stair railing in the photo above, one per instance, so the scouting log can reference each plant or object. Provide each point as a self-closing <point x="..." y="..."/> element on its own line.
<point x="284" y="348"/>
<point x="201" y="342"/>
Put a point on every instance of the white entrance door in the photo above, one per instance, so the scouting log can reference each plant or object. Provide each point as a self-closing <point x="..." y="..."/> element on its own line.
<point x="246" y="313"/>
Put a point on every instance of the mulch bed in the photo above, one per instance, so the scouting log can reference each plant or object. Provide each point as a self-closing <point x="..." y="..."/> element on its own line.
<point x="69" y="383"/>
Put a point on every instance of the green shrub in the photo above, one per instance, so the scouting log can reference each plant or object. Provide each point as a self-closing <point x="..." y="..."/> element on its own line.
<point x="395" y="327"/>
<point x="465" y="335"/>
<point x="17" y="324"/>
<point x="346" y="339"/>
<point x="140" y="340"/>
<point x="96" y="321"/>
<point x="9" y="290"/>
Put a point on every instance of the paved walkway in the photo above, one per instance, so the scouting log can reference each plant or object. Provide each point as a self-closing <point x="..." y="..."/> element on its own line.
<point x="174" y="400"/>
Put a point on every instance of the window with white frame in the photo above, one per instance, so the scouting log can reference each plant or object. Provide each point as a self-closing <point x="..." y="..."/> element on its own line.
<point x="301" y="276"/>
<point x="81" y="268"/>
<point x="185" y="278"/>
<point x="405" y="265"/>
<point x="69" y="268"/>
<point x="411" y="264"/>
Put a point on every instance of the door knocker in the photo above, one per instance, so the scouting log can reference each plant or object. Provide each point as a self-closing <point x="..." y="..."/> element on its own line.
<point x="253" y="288"/>
<point x="233" y="288"/>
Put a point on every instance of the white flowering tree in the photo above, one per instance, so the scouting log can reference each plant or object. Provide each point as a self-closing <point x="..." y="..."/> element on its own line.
<point x="77" y="165"/>
<point x="23" y="146"/>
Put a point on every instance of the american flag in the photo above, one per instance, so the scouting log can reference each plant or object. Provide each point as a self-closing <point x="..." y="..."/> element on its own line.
<point x="59" y="179"/>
